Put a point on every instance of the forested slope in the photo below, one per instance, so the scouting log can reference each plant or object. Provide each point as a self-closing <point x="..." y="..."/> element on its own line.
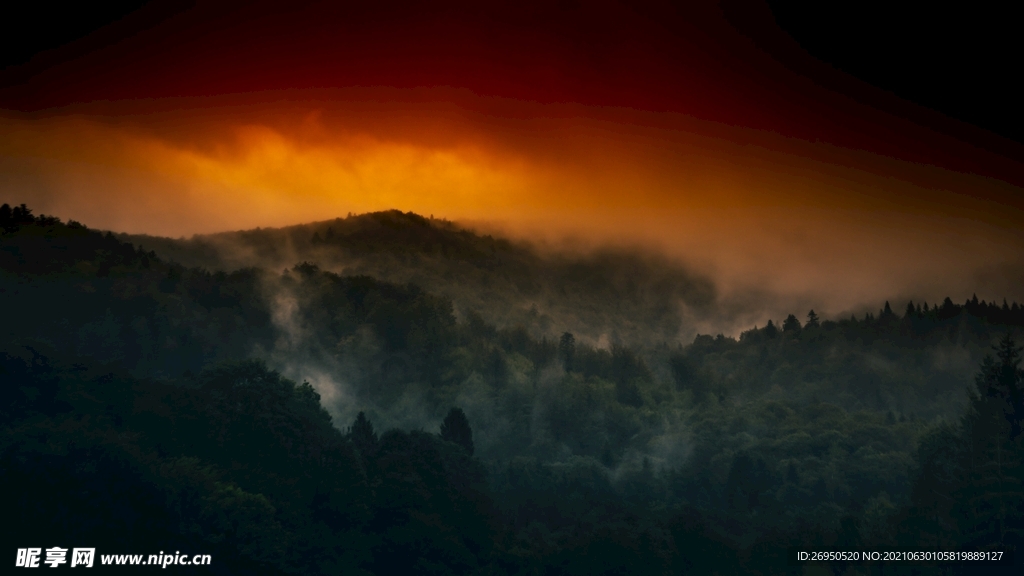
<point x="150" y="406"/>
<point x="618" y="294"/>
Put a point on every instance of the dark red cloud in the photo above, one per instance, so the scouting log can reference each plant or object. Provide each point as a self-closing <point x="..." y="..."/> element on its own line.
<point x="726" y="62"/>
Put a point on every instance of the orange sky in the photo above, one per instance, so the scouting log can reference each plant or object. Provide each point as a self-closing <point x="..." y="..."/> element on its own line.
<point x="833" y="199"/>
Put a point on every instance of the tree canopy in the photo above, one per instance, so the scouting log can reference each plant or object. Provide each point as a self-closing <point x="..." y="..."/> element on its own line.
<point x="276" y="420"/>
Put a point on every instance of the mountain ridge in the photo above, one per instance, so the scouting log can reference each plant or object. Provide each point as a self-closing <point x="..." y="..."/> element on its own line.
<point x="606" y="295"/>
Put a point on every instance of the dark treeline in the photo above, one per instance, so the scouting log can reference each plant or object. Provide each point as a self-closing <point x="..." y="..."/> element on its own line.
<point x="146" y="406"/>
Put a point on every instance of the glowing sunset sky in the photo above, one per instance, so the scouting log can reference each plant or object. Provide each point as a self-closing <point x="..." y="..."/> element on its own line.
<point x="712" y="137"/>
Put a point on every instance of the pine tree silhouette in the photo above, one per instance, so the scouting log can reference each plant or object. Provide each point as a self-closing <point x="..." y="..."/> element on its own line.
<point x="791" y="324"/>
<point x="363" y="436"/>
<point x="455" y="428"/>
<point x="992" y="496"/>
<point x="812" y="319"/>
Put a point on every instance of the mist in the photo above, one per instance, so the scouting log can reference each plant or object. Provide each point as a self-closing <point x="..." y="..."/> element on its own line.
<point x="509" y="288"/>
<point x="603" y="292"/>
<point x="511" y="302"/>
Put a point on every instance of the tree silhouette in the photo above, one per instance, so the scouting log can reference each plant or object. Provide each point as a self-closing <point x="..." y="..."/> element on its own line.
<point x="812" y="319"/>
<point x="791" y="324"/>
<point x="567" y="350"/>
<point x="455" y="428"/>
<point x="991" y="500"/>
<point x="363" y="436"/>
<point x="948" y="309"/>
<point x="999" y="387"/>
<point x="12" y="218"/>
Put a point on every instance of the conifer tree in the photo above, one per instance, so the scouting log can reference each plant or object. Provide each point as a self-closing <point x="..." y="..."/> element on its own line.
<point x="791" y="324"/>
<point x="991" y="499"/>
<point x="455" y="428"/>
<point x="812" y="319"/>
<point x="363" y="436"/>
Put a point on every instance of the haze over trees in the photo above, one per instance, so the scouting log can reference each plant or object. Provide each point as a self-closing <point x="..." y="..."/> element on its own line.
<point x="297" y="420"/>
<point x="627" y="295"/>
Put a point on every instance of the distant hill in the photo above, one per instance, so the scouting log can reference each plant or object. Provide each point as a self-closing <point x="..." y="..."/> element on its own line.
<point x="605" y="296"/>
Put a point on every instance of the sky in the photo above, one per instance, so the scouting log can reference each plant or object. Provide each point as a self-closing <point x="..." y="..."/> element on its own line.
<point x="703" y="131"/>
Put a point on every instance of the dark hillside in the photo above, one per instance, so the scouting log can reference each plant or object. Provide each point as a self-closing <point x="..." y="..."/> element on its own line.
<point x="147" y="405"/>
<point x="606" y="295"/>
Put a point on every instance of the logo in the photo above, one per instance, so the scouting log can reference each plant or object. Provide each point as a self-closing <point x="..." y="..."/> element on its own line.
<point x="31" y="557"/>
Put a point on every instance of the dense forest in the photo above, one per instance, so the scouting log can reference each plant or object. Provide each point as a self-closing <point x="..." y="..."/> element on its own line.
<point x="286" y="418"/>
<point x="621" y="294"/>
